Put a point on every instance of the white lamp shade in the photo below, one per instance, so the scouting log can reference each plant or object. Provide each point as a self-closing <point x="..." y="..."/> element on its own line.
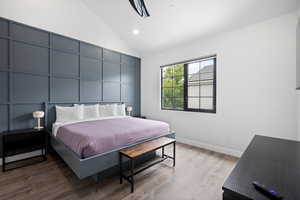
<point x="129" y="108"/>
<point x="38" y="114"/>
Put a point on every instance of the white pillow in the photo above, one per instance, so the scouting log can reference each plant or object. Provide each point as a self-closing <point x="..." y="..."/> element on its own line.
<point x="121" y="110"/>
<point x="67" y="113"/>
<point x="91" y="111"/>
<point x="108" y="110"/>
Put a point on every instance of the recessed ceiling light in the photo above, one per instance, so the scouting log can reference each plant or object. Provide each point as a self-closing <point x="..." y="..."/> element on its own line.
<point x="135" y="32"/>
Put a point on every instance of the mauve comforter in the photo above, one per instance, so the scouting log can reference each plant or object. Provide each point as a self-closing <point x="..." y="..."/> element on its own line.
<point x="95" y="137"/>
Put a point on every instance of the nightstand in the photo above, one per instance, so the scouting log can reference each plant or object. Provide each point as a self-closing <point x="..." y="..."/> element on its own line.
<point x="138" y="116"/>
<point x="23" y="141"/>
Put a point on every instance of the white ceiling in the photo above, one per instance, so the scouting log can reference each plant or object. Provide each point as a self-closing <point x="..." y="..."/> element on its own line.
<point x="174" y="22"/>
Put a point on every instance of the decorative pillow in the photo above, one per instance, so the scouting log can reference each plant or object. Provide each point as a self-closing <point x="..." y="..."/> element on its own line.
<point x="121" y="110"/>
<point x="67" y="113"/>
<point x="91" y="111"/>
<point x="108" y="110"/>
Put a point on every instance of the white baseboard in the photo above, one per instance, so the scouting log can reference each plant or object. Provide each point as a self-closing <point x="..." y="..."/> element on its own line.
<point x="210" y="147"/>
<point x="219" y="149"/>
<point x="21" y="156"/>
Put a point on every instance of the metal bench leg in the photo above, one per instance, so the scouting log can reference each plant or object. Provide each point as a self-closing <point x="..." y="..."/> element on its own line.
<point x="174" y="153"/>
<point x="162" y="152"/>
<point x="121" y="168"/>
<point x="132" y="174"/>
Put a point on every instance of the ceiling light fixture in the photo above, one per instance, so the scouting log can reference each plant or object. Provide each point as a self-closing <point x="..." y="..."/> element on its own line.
<point x="135" y="32"/>
<point x="140" y="7"/>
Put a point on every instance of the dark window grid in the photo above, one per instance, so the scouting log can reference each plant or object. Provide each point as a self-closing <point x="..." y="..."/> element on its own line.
<point x="201" y="80"/>
<point x="204" y="73"/>
<point x="189" y="86"/>
<point x="195" y="97"/>
<point x="172" y="77"/>
<point x="213" y="110"/>
<point x="173" y="103"/>
<point x="173" y="87"/>
<point x="173" y="92"/>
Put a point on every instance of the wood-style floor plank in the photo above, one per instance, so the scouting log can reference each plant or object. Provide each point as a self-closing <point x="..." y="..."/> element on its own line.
<point x="199" y="174"/>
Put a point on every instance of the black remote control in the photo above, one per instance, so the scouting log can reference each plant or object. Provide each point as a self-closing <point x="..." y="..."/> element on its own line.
<point x="272" y="194"/>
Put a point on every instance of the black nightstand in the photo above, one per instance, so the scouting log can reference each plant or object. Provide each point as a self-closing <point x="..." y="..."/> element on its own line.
<point x="142" y="117"/>
<point x="23" y="141"/>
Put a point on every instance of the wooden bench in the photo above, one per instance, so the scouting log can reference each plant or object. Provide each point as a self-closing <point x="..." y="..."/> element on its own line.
<point x="141" y="149"/>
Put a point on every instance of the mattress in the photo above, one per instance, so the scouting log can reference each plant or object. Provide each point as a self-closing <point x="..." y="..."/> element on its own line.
<point x="98" y="136"/>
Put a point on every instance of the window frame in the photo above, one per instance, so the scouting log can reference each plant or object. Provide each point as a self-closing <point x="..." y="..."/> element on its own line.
<point x="185" y="86"/>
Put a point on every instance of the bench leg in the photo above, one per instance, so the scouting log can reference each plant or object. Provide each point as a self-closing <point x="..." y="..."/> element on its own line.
<point x="162" y="152"/>
<point x="132" y="174"/>
<point x="174" y="153"/>
<point x="121" y="168"/>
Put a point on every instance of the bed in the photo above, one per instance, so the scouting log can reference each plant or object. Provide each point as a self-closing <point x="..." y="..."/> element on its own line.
<point x="90" y="147"/>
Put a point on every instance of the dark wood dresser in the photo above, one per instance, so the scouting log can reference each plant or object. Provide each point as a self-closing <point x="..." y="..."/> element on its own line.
<point x="270" y="161"/>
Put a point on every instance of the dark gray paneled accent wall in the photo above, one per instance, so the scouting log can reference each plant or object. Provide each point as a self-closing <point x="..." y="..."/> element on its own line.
<point x="38" y="66"/>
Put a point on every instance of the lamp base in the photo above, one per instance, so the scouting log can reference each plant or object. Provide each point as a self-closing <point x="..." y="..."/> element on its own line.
<point x="38" y="127"/>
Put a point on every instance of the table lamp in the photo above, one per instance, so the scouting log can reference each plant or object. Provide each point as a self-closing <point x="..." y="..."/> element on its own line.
<point x="129" y="109"/>
<point x="38" y="115"/>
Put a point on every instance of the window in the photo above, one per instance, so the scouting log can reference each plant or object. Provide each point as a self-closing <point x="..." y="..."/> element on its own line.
<point x="189" y="85"/>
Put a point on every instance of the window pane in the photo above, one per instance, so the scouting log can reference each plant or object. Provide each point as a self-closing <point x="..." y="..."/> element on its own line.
<point x="178" y="103"/>
<point x="193" y="70"/>
<point x="167" y="71"/>
<point x="206" y="90"/>
<point x="210" y="82"/>
<point x="178" y="92"/>
<point x="206" y="76"/>
<point x="178" y="69"/>
<point x="178" y="81"/>
<point x="194" y="91"/>
<point x="167" y="82"/>
<point x="206" y="103"/>
<point x="207" y="66"/>
<point x="193" y="103"/>
<point x="167" y="103"/>
<point x="168" y="92"/>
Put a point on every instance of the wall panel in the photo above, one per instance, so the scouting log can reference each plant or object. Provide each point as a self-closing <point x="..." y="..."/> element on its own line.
<point x="111" y="91"/>
<point x="90" y="51"/>
<point x="30" y="35"/>
<point x="111" y="72"/>
<point x="65" y="44"/>
<point x="4" y="53"/>
<point x="30" y="88"/>
<point x="31" y="59"/>
<point x="64" y="90"/>
<point x="65" y="64"/>
<point x="91" y="91"/>
<point x="3" y="87"/>
<point x="3" y="118"/>
<point x="128" y="72"/>
<point x="3" y="28"/>
<point x="111" y="56"/>
<point x="90" y="69"/>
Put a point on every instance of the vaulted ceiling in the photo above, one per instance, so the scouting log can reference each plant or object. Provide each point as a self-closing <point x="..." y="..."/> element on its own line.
<point x="174" y="22"/>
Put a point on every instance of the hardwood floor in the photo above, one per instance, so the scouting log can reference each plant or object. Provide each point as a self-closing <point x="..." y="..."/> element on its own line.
<point x="199" y="174"/>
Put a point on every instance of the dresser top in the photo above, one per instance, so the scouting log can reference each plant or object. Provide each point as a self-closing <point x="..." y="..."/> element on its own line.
<point x="270" y="161"/>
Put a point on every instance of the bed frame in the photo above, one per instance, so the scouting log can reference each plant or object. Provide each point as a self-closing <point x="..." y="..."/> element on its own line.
<point x="98" y="166"/>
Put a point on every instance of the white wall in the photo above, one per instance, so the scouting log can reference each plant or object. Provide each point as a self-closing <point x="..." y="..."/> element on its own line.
<point x="298" y="73"/>
<point x="67" y="17"/>
<point x="255" y="86"/>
